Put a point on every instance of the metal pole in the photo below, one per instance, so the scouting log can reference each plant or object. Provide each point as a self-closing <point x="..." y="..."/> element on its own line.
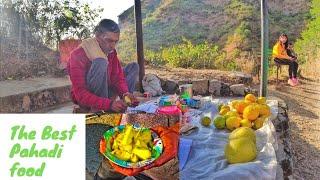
<point x="140" y="56"/>
<point x="264" y="48"/>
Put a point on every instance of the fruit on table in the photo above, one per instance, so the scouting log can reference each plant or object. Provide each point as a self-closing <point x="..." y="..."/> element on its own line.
<point x="240" y="150"/>
<point x="261" y="100"/>
<point x="225" y="107"/>
<point x="245" y="123"/>
<point x="132" y="145"/>
<point x="206" y="121"/>
<point x="233" y="103"/>
<point x="258" y="123"/>
<point x="251" y="112"/>
<point x="264" y="110"/>
<point x="233" y="123"/>
<point x="219" y="122"/>
<point x="243" y="132"/>
<point x="230" y="114"/>
<point x="240" y="106"/>
<point x="250" y="98"/>
<point x="224" y="111"/>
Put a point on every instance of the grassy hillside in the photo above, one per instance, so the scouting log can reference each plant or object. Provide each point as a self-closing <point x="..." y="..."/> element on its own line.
<point x="232" y="25"/>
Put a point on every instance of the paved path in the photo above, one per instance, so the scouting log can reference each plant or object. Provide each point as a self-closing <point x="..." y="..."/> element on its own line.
<point x="16" y="87"/>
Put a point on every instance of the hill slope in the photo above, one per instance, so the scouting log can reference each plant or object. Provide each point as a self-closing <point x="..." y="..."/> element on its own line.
<point x="229" y="24"/>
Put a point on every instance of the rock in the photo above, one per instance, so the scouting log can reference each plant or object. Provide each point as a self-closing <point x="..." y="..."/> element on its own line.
<point x="242" y="78"/>
<point x="170" y="87"/>
<point x="225" y="89"/>
<point x="238" y="89"/>
<point x="215" y="87"/>
<point x="200" y="87"/>
<point x="181" y="82"/>
<point x="26" y="102"/>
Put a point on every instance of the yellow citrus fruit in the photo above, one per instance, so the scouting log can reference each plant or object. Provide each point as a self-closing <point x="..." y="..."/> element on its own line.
<point x="264" y="110"/>
<point x="219" y="122"/>
<point x="243" y="132"/>
<point x="233" y="103"/>
<point x="225" y="107"/>
<point x="240" y="106"/>
<point x="231" y="113"/>
<point x="240" y="150"/>
<point x="261" y="100"/>
<point x="233" y="122"/>
<point x="251" y="112"/>
<point x="223" y="111"/>
<point x="245" y="123"/>
<point x="206" y="121"/>
<point x="250" y="97"/>
<point x="258" y="123"/>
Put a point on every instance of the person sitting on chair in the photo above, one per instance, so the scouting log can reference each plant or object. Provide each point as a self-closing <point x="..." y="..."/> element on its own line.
<point x="282" y="57"/>
<point x="96" y="74"/>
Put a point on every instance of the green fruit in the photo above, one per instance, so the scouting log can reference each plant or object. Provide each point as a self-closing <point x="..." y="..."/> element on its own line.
<point x="243" y="132"/>
<point x="206" y="121"/>
<point x="240" y="150"/>
<point x="219" y="122"/>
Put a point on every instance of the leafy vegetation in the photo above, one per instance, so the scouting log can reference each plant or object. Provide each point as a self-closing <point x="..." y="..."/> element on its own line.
<point x="51" y="20"/>
<point x="308" y="46"/>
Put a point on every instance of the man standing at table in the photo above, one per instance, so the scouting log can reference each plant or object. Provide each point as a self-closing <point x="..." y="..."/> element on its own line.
<point x="96" y="74"/>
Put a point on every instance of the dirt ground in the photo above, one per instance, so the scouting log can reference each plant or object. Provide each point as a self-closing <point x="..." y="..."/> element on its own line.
<point x="304" y="111"/>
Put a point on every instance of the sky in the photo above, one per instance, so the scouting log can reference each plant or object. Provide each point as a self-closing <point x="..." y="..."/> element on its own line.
<point x="112" y="8"/>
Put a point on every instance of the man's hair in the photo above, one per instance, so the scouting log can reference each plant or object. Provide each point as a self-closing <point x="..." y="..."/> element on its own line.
<point x="107" y="25"/>
<point x="290" y="43"/>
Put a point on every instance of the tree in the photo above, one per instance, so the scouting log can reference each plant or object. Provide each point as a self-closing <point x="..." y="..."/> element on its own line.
<point x="51" y="20"/>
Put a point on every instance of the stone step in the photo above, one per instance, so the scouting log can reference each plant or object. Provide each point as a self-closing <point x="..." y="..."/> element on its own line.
<point x="32" y="95"/>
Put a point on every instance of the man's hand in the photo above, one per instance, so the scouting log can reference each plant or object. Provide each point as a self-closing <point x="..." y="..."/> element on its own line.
<point x="118" y="106"/>
<point x="133" y="100"/>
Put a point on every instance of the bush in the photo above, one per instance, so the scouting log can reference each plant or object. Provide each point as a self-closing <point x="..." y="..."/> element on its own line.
<point x="186" y="55"/>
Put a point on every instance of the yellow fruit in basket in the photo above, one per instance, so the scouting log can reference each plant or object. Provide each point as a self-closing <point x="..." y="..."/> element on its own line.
<point x="250" y="97"/>
<point x="224" y="111"/>
<point x="233" y="123"/>
<point x="264" y="110"/>
<point x="219" y="122"/>
<point x="245" y="123"/>
<point x="125" y="156"/>
<point x="128" y="135"/>
<point x="240" y="106"/>
<point x="261" y="100"/>
<point x="143" y="154"/>
<point x="205" y="121"/>
<point x="243" y="132"/>
<point x="230" y="114"/>
<point x="240" y="150"/>
<point x="134" y="158"/>
<point x="251" y="112"/>
<point x="132" y="144"/>
<point x="144" y="136"/>
<point x="258" y="123"/>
